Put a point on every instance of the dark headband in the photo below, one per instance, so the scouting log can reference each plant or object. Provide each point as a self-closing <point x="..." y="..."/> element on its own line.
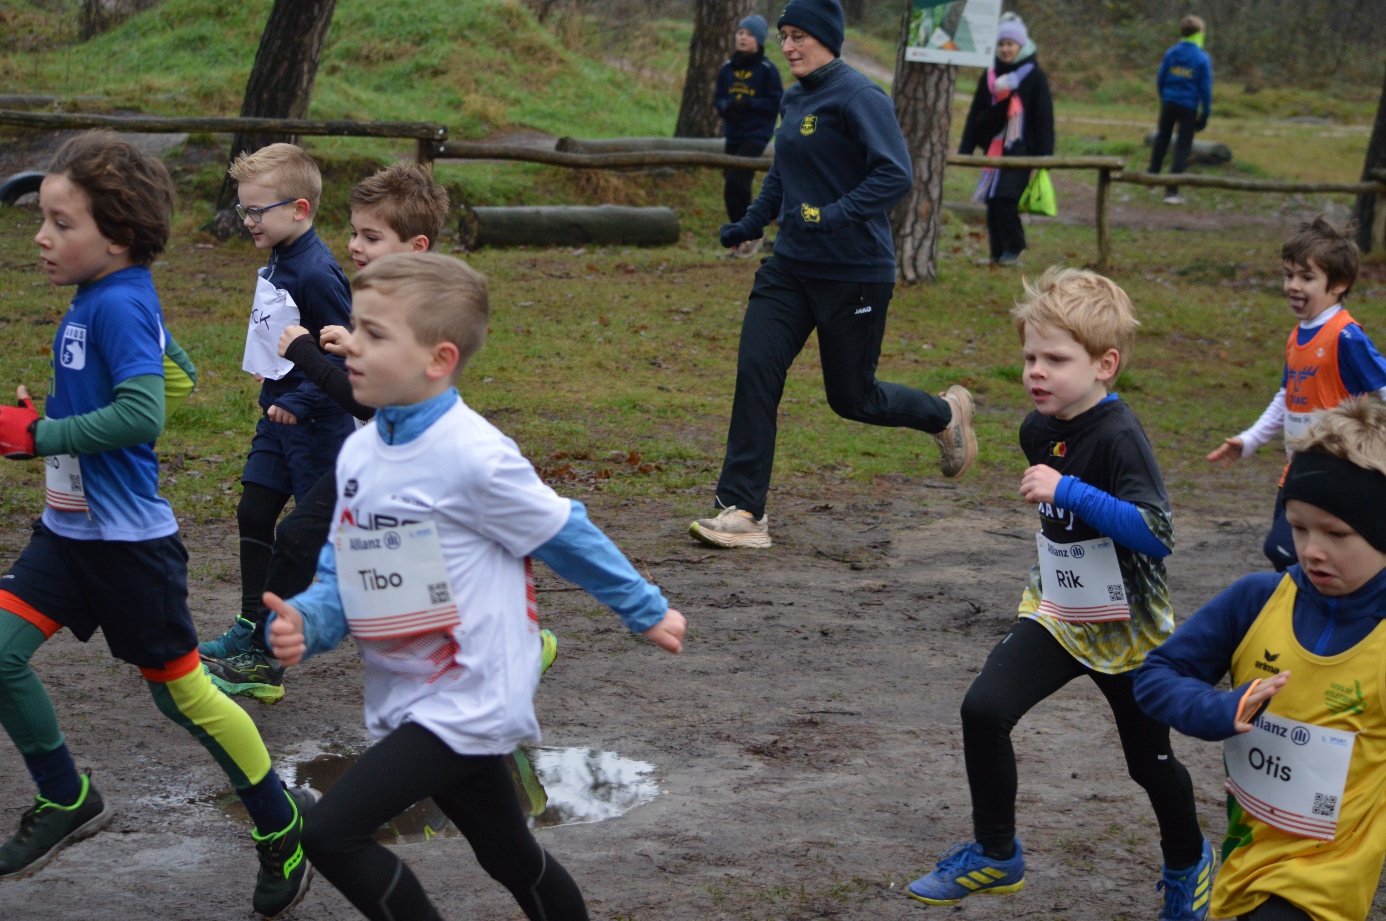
<point x="1340" y="487"/>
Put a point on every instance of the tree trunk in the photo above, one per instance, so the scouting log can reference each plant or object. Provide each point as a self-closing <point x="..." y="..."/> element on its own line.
<point x="1365" y="213"/>
<point x="923" y="106"/>
<point x="714" y="29"/>
<point x="281" y="79"/>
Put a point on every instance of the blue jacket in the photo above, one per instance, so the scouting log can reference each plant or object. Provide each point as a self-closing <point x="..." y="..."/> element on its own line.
<point x="1186" y="77"/>
<point x="307" y="270"/>
<point x="756" y="80"/>
<point x="841" y="164"/>
<point x="1176" y="683"/>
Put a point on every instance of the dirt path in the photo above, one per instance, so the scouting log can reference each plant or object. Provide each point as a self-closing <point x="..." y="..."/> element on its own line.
<point x="807" y="743"/>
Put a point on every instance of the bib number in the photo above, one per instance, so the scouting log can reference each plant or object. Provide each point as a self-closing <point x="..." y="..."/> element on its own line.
<point x="1081" y="581"/>
<point x="1290" y="775"/>
<point x="272" y="312"/>
<point x="63" y="480"/>
<point x="394" y="583"/>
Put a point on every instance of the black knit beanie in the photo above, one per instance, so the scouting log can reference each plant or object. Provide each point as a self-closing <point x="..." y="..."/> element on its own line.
<point x="820" y="18"/>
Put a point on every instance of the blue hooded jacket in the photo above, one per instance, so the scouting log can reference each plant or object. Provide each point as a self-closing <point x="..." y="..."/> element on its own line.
<point x="1186" y="77"/>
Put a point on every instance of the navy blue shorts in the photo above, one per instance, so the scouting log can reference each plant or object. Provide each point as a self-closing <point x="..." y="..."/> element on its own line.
<point x="291" y="458"/>
<point x="135" y="591"/>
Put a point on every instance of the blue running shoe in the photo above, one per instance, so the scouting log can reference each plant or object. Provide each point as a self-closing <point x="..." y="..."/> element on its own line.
<point x="965" y="870"/>
<point x="231" y="643"/>
<point x="1187" y="893"/>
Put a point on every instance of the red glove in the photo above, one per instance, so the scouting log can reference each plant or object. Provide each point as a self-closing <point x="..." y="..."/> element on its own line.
<point x="17" y="425"/>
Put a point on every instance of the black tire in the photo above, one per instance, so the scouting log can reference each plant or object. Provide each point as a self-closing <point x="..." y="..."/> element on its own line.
<point x="19" y="185"/>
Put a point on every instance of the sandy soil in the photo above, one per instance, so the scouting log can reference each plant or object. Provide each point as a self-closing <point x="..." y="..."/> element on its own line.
<point x="807" y="742"/>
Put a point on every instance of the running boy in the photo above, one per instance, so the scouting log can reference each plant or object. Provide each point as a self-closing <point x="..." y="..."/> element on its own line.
<point x="106" y="552"/>
<point x="1097" y="602"/>
<point x="436" y="589"/>
<point x="1303" y="729"/>
<point x="1328" y="358"/>
<point x="399" y="209"/>
<point x="301" y="429"/>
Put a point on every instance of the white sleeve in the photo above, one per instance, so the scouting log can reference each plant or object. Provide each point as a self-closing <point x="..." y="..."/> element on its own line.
<point x="1270" y="425"/>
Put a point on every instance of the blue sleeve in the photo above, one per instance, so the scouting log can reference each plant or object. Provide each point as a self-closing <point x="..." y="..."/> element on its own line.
<point x="324" y="619"/>
<point x="583" y="555"/>
<point x="1205" y="84"/>
<point x="889" y="173"/>
<point x="767" y="104"/>
<point x="1175" y="685"/>
<point x="1120" y="520"/>
<point x="1360" y="365"/>
<point x="766" y="207"/>
<point x="723" y="90"/>
<point x="1163" y="74"/>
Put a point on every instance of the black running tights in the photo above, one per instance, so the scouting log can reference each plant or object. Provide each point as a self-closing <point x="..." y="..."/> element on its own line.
<point x="1022" y="670"/>
<point x="475" y="792"/>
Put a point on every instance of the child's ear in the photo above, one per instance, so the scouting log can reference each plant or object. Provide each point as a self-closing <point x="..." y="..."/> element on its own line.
<point x="117" y="249"/>
<point x="418" y="244"/>
<point x="1108" y="366"/>
<point x="302" y="210"/>
<point x="443" y="362"/>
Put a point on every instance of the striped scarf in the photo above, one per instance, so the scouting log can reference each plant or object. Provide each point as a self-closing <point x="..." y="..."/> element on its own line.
<point x="1003" y="87"/>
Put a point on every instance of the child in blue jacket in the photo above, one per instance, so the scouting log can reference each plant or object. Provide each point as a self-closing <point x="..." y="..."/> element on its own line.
<point x="1185" y="82"/>
<point x="748" y="99"/>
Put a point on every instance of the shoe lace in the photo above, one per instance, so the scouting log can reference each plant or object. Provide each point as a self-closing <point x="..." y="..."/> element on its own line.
<point x="1178" y="898"/>
<point x="29" y="821"/>
<point x="956" y="857"/>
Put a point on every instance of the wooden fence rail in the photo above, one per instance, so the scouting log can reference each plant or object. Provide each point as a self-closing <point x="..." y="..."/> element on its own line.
<point x="428" y="134"/>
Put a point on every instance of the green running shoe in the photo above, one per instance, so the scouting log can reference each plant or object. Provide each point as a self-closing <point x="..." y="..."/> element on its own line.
<point x="231" y="643"/>
<point x="253" y="673"/>
<point x="46" y="828"/>
<point x="549" y="652"/>
<point x="284" y="869"/>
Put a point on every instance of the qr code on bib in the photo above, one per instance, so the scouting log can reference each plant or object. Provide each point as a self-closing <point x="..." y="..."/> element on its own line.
<point x="1116" y="593"/>
<point x="438" y="593"/>
<point x="1325" y="804"/>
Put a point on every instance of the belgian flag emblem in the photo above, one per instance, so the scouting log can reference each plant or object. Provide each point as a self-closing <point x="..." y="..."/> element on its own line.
<point x="1058" y="449"/>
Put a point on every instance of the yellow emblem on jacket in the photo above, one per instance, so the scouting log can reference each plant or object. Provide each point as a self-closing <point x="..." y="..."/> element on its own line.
<point x="810" y="214"/>
<point x="808" y="125"/>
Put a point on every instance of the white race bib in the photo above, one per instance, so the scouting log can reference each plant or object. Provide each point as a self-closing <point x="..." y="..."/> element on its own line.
<point x="1298" y="424"/>
<point x="394" y="582"/>
<point x="273" y="312"/>
<point x="63" y="479"/>
<point x="1290" y="775"/>
<point x="1081" y="581"/>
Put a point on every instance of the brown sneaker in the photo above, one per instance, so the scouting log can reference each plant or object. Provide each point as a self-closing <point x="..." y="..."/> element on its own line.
<point x="732" y="528"/>
<point x="957" y="444"/>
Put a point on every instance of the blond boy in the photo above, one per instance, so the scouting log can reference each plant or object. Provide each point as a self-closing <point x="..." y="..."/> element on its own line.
<point x="1303" y="728"/>
<point x="444" y="616"/>
<point x="1096" y="603"/>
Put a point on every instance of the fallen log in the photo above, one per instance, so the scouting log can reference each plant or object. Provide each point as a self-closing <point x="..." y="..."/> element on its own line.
<point x="568" y="225"/>
<point x="1206" y="153"/>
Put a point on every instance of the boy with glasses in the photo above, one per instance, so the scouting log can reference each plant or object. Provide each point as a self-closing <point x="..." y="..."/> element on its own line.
<point x="301" y="429"/>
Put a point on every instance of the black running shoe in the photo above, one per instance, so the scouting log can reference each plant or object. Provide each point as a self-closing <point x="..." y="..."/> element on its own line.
<point x="253" y="673"/>
<point x="284" y="869"/>
<point x="47" y="828"/>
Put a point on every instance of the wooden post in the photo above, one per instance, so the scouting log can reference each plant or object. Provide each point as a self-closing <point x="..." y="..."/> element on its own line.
<point x="1104" y="240"/>
<point x="424" y="153"/>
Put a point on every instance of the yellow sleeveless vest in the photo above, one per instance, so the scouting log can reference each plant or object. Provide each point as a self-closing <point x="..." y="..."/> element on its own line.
<point x="1331" y="880"/>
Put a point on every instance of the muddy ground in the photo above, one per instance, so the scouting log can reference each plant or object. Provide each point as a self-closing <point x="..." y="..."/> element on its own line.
<point x="807" y="742"/>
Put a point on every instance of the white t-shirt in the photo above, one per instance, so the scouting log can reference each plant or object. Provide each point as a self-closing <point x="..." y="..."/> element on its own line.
<point x="472" y="685"/>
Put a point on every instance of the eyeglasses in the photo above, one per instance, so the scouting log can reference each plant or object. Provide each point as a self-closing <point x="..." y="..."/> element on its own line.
<point x="258" y="214"/>
<point x="796" y="38"/>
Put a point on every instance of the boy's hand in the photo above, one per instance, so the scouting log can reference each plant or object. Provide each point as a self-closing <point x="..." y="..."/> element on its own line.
<point x="289" y="334"/>
<point x="285" y="633"/>
<point x="1038" y="483"/>
<point x="281" y="415"/>
<point x="1227" y="453"/>
<point x="17" y="425"/>
<point x="333" y="339"/>
<point x="668" y="633"/>
<point x="1259" y="692"/>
